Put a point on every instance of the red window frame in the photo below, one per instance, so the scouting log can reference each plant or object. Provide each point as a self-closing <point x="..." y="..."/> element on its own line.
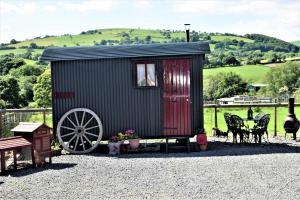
<point x="146" y="74"/>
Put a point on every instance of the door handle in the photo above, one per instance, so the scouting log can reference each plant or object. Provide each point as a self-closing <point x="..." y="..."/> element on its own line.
<point x="188" y="100"/>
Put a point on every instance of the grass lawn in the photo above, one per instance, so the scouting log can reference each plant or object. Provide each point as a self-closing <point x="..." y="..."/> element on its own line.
<point x="242" y="112"/>
<point x="19" y="51"/>
<point x="223" y="37"/>
<point x="250" y="73"/>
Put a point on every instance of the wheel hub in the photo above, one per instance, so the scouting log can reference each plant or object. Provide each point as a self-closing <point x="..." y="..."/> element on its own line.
<point x="79" y="131"/>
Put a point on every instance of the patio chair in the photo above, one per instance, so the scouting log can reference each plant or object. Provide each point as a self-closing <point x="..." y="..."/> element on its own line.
<point x="228" y="123"/>
<point x="239" y="128"/>
<point x="258" y="117"/>
<point x="260" y="128"/>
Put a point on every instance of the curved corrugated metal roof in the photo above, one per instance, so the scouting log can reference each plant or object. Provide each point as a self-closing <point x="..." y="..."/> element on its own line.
<point x="128" y="51"/>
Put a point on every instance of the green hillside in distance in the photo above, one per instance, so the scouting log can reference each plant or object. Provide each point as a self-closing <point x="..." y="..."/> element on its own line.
<point x="90" y="38"/>
<point x="250" y="73"/>
<point x="296" y="43"/>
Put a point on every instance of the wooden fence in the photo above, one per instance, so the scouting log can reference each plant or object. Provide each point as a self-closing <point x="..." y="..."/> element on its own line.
<point x="272" y="105"/>
<point x="11" y="117"/>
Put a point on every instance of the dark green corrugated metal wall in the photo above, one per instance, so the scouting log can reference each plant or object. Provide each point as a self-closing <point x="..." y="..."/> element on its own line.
<point x="106" y="86"/>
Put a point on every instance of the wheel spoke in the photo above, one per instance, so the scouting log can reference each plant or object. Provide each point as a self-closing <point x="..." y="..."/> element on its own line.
<point x="82" y="119"/>
<point x="87" y="139"/>
<point x="88" y="133"/>
<point x="71" y="122"/>
<point x="72" y="133"/>
<point x="71" y="139"/>
<point x="76" y="118"/>
<point x="92" y="127"/>
<point x="76" y="143"/>
<point x="88" y="122"/>
<point x="79" y="130"/>
<point x="72" y="129"/>
<point x="83" y="145"/>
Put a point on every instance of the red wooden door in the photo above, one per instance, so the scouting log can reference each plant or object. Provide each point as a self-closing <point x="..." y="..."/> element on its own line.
<point x="176" y="97"/>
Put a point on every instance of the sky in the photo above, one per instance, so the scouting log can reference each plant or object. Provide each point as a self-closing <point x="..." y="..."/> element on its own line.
<point x="26" y="19"/>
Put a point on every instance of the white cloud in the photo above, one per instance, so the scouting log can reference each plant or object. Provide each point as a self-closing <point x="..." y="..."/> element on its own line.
<point x="90" y="5"/>
<point x="20" y="8"/>
<point x="276" y="18"/>
<point x="49" y="8"/>
<point x="142" y="3"/>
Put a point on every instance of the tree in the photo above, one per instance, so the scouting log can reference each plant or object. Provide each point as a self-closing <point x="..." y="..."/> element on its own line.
<point x="9" y="92"/>
<point x="287" y="76"/>
<point x="103" y="42"/>
<point x="13" y="41"/>
<point x="231" y="60"/>
<point x="148" y="39"/>
<point x="225" y="85"/>
<point x="26" y="76"/>
<point x="42" y="89"/>
<point x="33" y="45"/>
<point x="8" y="62"/>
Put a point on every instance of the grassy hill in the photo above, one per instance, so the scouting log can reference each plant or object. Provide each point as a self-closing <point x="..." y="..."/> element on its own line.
<point x="229" y="37"/>
<point x="89" y="38"/>
<point x="296" y="43"/>
<point x="250" y="73"/>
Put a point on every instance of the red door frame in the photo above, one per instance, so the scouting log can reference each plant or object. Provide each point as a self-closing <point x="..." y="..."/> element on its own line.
<point x="177" y="105"/>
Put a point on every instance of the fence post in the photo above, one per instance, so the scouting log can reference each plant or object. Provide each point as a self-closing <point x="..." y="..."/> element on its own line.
<point x="1" y="127"/>
<point x="275" y="121"/>
<point x="216" y="117"/>
<point x="44" y="115"/>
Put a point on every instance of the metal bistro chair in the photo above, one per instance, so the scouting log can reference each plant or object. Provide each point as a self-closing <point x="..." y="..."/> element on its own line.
<point x="228" y="123"/>
<point x="239" y="128"/>
<point x="258" y="117"/>
<point x="260" y="128"/>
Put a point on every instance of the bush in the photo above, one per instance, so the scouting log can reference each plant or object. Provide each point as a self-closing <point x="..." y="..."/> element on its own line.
<point x="225" y="85"/>
<point x="42" y="90"/>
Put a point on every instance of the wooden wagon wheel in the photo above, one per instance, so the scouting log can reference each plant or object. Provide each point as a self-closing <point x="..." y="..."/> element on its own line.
<point x="79" y="130"/>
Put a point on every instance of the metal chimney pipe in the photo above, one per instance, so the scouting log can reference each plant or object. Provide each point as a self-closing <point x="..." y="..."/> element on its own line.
<point x="187" y="32"/>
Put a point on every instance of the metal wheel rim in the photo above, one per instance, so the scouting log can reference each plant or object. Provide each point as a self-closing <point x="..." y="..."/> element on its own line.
<point x="79" y="131"/>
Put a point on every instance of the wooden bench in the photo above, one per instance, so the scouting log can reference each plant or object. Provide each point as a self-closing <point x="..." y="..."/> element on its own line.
<point x="13" y="144"/>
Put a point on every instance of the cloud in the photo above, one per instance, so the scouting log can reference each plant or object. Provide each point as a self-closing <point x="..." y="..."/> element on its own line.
<point x="221" y="7"/>
<point x="276" y="18"/>
<point x="50" y="8"/>
<point x="91" y="5"/>
<point x="20" y="8"/>
<point x="142" y="4"/>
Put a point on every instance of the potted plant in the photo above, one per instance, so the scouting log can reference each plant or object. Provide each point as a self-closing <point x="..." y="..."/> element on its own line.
<point x="115" y="143"/>
<point x="133" y="138"/>
<point x="56" y="149"/>
<point x="202" y="140"/>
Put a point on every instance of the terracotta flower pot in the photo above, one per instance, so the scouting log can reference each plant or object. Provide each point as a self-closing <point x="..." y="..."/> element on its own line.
<point x="202" y="141"/>
<point x="203" y="147"/>
<point x="134" y="143"/>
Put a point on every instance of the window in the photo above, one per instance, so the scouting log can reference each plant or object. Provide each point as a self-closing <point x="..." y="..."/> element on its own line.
<point x="146" y="75"/>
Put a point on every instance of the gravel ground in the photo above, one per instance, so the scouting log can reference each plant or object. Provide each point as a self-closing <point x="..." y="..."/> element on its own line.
<point x="226" y="171"/>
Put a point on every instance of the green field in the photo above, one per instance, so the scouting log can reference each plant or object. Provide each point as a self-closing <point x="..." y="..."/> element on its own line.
<point x="242" y="112"/>
<point x="20" y="51"/>
<point x="224" y="37"/>
<point x="250" y="73"/>
<point x="89" y="39"/>
<point x="113" y="34"/>
<point x="296" y="43"/>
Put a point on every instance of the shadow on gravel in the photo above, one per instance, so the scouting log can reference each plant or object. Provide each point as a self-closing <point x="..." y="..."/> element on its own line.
<point x="31" y="170"/>
<point x="214" y="149"/>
